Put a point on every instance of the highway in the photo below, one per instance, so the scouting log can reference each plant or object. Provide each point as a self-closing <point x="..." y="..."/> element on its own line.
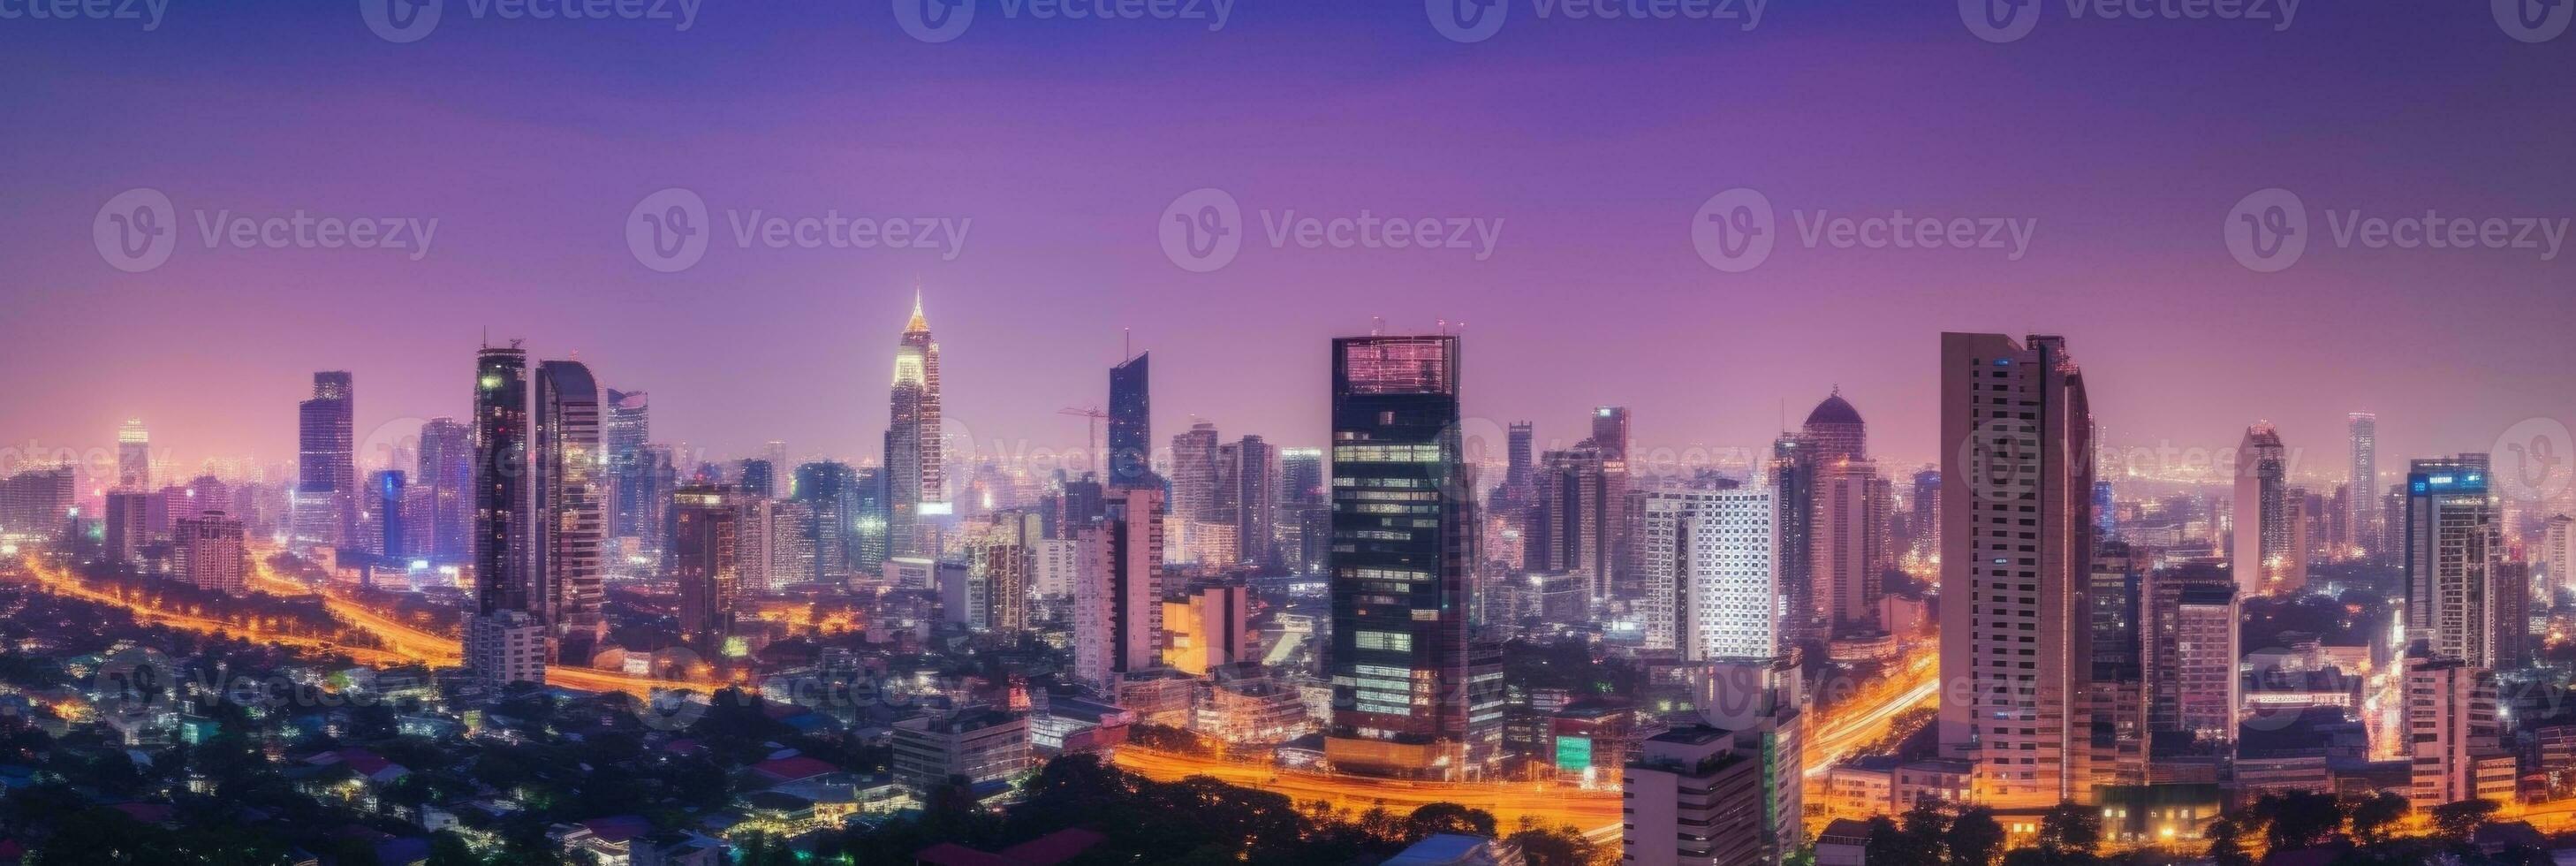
<point x="1596" y="813"/>
<point x="1867" y="717"/>
<point x="404" y="643"/>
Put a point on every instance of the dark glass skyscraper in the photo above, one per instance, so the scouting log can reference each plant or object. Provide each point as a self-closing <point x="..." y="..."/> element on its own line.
<point x="1131" y="433"/>
<point x="627" y="427"/>
<point x="447" y="470"/>
<point x="1410" y="698"/>
<point x="326" y="483"/>
<point x="500" y="480"/>
<point x="566" y="570"/>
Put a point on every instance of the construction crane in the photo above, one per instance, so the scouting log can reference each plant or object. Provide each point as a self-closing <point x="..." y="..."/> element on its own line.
<point x="1093" y="426"/>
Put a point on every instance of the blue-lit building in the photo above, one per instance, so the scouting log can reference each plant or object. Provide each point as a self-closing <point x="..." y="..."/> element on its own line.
<point x="2452" y="536"/>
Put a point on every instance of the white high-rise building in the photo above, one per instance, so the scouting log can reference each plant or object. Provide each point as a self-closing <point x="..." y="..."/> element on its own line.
<point x="2016" y="551"/>
<point x="1118" y="599"/>
<point x="2363" y="515"/>
<point x="1691" y="798"/>
<point x="2452" y="541"/>
<point x="206" y="552"/>
<point x="1712" y="573"/>
<point x="2558" y="550"/>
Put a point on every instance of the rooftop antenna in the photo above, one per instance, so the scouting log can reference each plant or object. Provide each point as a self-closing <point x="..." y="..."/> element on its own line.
<point x="1126" y="345"/>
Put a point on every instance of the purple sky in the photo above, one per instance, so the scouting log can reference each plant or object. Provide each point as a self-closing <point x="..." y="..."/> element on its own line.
<point x="1594" y="142"/>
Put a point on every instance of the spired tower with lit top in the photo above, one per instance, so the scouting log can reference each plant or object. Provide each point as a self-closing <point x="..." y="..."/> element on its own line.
<point x="915" y="486"/>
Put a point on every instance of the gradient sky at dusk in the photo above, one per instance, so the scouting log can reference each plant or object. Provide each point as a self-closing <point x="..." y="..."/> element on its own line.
<point x="1594" y="142"/>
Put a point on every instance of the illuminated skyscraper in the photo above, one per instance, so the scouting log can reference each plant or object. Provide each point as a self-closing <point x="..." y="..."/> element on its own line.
<point x="133" y="456"/>
<point x="1793" y="487"/>
<point x="1131" y="423"/>
<point x="915" y="486"/>
<point x="1194" y="482"/>
<point x="2363" y="506"/>
<point x="1711" y="573"/>
<point x="326" y="487"/>
<point x="501" y="481"/>
<point x="2558" y="550"/>
<point x="570" y="513"/>
<point x="447" y="472"/>
<point x="628" y="426"/>
<point x="2017" y="548"/>
<point x="2452" y="542"/>
<point x="2265" y="556"/>
<point x="1410" y="696"/>
<point x="206" y="552"/>
<point x="1581" y="494"/>
<point x="1846" y="519"/>
<point x="705" y="521"/>
<point x="1247" y="488"/>
<point x="1610" y="432"/>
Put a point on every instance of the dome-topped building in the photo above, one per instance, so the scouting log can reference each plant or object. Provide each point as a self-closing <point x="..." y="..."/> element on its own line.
<point x="1836" y="430"/>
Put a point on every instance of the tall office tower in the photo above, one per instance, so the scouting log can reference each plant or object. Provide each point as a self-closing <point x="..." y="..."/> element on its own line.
<point x="2017" y="544"/>
<point x="869" y="545"/>
<point x="2454" y="733"/>
<point x="628" y="426"/>
<point x="2189" y="652"/>
<point x="570" y="507"/>
<point x="2264" y="552"/>
<point x="1793" y="487"/>
<point x="1518" y="467"/>
<point x="1078" y="505"/>
<point x="1692" y="798"/>
<point x="757" y="477"/>
<point x="419" y="510"/>
<point x="2114" y="593"/>
<point x="658" y="479"/>
<point x="206" y="552"/>
<point x="2451" y="545"/>
<point x="915" y="486"/>
<point x="754" y="545"/>
<point x="501" y="495"/>
<point x="326" y="486"/>
<point x="1247" y="494"/>
<point x="1610" y="432"/>
<point x="133" y="456"/>
<point x="37" y="502"/>
<point x="127" y="526"/>
<point x="2106" y="511"/>
<point x="2511" y="620"/>
<point x="1411" y="698"/>
<point x="387" y="534"/>
<point x="1131" y="423"/>
<point x="1759" y="700"/>
<point x="2558" y="550"/>
<point x="705" y="522"/>
<point x="1581" y="494"/>
<point x="1194" y="481"/>
<point x="1001" y="569"/>
<point x="2362" y="532"/>
<point x="1712" y="587"/>
<point x="1924" y="522"/>
<point x="1118" y="597"/>
<point x="831" y="490"/>
<point x="1846" y="519"/>
<point x="447" y="472"/>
